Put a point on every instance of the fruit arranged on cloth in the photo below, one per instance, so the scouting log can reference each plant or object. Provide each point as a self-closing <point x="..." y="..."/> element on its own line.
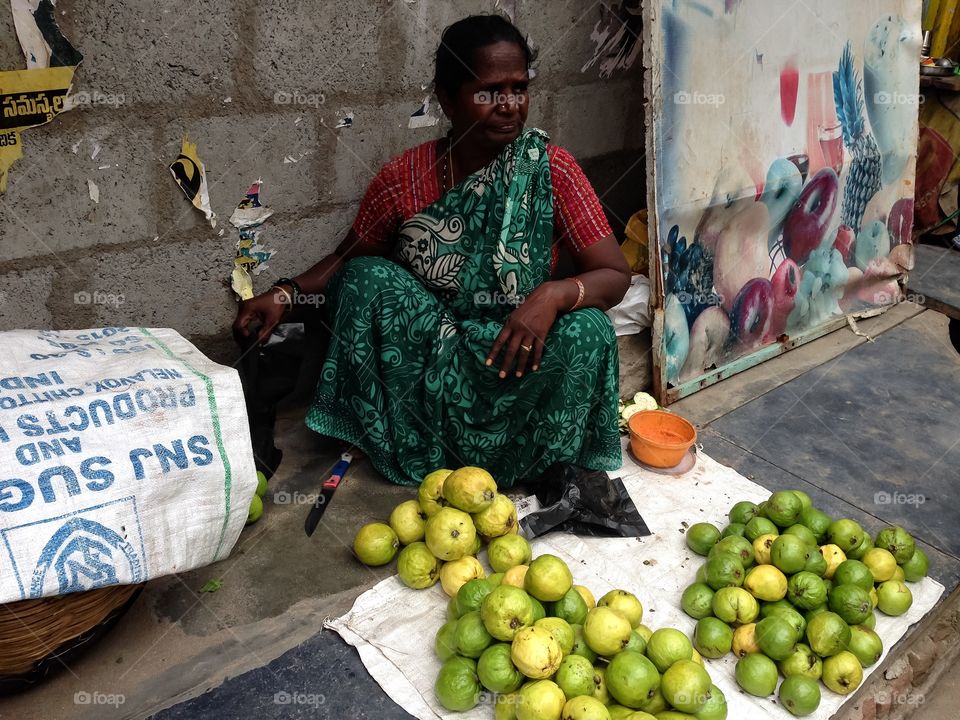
<point x="793" y="592"/>
<point x="641" y="401"/>
<point x="455" y="512"/>
<point x="550" y="652"/>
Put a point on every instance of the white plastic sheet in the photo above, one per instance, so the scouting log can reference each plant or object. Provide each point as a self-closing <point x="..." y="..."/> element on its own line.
<point x="632" y="316"/>
<point x="393" y="627"/>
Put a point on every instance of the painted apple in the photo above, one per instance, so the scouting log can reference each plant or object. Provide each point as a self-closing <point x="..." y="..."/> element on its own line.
<point x="676" y="337"/>
<point x="902" y="256"/>
<point x="872" y="242"/>
<point x="708" y="337"/>
<point x="854" y="282"/>
<point x="741" y="253"/>
<point x="783" y="187"/>
<point x="808" y="222"/>
<point x="786" y="284"/>
<point x="900" y="221"/>
<point x="878" y="208"/>
<point x="879" y="285"/>
<point x="752" y="311"/>
<point x="733" y="192"/>
<point x="844" y="242"/>
<point x="715" y="218"/>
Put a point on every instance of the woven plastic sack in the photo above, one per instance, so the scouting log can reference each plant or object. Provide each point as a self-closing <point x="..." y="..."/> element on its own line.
<point x="124" y="455"/>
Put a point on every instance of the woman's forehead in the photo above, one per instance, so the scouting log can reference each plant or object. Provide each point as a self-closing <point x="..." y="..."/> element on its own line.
<point x="499" y="62"/>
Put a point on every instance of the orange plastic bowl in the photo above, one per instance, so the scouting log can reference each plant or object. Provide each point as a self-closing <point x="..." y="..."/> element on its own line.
<point x="659" y="438"/>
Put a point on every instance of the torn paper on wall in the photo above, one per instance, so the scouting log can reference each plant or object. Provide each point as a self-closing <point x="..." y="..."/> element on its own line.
<point x="10" y="152"/>
<point x="40" y="38"/>
<point x="28" y="98"/>
<point x="345" y="121"/>
<point x="94" y="191"/>
<point x="251" y="256"/>
<point x="507" y="7"/>
<point x="36" y="95"/>
<point x="617" y="37"/>
<point x="423" y="117"/>
<point x="191" y="176"/>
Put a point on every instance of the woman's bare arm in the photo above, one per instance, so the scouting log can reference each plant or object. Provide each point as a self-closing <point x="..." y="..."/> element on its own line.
<point x="605" y="275"/>
<point x="604" y="272"/>
<point x="315" y="279"/>
<point x="268" y="308"/>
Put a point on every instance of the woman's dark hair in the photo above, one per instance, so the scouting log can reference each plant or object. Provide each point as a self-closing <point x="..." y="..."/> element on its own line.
<point x="460" y="42"/>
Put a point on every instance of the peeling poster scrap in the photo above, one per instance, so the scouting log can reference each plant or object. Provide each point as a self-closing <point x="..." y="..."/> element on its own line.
<point x="617" y="38"/>
<point x="191" y="176"/>
<point x="251" y="256"/>
<point x="36" y="95"/>
<point x="423" y="117"/>
<point x="40" y="38"/>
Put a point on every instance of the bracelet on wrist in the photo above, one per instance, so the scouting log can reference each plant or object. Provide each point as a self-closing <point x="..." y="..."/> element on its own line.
<point x="286" y="294"/>
<point x="581" y="291"/>
<point x="294" y="285"/>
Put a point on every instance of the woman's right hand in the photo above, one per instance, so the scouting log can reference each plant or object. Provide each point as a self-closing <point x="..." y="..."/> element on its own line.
<point x="266" y="309"/>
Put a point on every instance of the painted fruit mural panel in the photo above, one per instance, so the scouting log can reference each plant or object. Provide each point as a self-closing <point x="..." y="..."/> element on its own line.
<point x="785" y="141"/>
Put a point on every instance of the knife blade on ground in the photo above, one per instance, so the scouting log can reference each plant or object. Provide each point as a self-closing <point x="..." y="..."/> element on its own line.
<point x="326" y="493"/>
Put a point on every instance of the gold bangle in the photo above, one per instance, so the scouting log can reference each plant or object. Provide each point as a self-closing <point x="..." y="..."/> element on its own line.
<point x="286" y="294"/>
<point x="582" y="292"/>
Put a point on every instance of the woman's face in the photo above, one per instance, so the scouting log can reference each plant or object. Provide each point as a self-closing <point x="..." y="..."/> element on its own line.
<point x="491" y="108"/>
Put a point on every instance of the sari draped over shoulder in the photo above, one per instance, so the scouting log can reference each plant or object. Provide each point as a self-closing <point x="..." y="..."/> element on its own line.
<point x="405" y="378"/>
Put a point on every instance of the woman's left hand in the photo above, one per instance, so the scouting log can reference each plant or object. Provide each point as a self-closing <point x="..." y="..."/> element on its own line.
<point x="525" y="331"/>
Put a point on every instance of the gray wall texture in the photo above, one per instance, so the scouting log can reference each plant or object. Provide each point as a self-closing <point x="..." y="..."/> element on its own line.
<point x="261" y="88"/>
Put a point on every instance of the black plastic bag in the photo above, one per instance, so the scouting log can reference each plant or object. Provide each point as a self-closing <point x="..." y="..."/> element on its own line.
<point x="269" y="373"/>
<point x="584" y="502"/>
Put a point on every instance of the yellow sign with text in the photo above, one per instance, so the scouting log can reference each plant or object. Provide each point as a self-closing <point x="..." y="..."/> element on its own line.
<point x="28" y="98"/>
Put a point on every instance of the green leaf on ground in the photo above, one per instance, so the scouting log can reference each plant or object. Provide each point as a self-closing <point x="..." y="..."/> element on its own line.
<point x="212" y="585"/>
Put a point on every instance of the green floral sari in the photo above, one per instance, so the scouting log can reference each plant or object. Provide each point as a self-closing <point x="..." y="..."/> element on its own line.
<point x="404" y="379"/>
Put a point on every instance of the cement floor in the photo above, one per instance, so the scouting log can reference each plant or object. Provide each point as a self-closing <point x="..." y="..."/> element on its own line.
<point x="229" y="653"/>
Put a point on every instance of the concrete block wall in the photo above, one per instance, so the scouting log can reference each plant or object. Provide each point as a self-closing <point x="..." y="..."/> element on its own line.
<point x="261" y="88"/>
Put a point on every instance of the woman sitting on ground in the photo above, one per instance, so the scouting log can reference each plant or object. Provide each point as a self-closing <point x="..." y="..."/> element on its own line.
<point x="451" y="343"/>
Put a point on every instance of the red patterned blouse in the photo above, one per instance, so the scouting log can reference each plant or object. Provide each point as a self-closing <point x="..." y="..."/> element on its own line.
<point x="408" y="184"/>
